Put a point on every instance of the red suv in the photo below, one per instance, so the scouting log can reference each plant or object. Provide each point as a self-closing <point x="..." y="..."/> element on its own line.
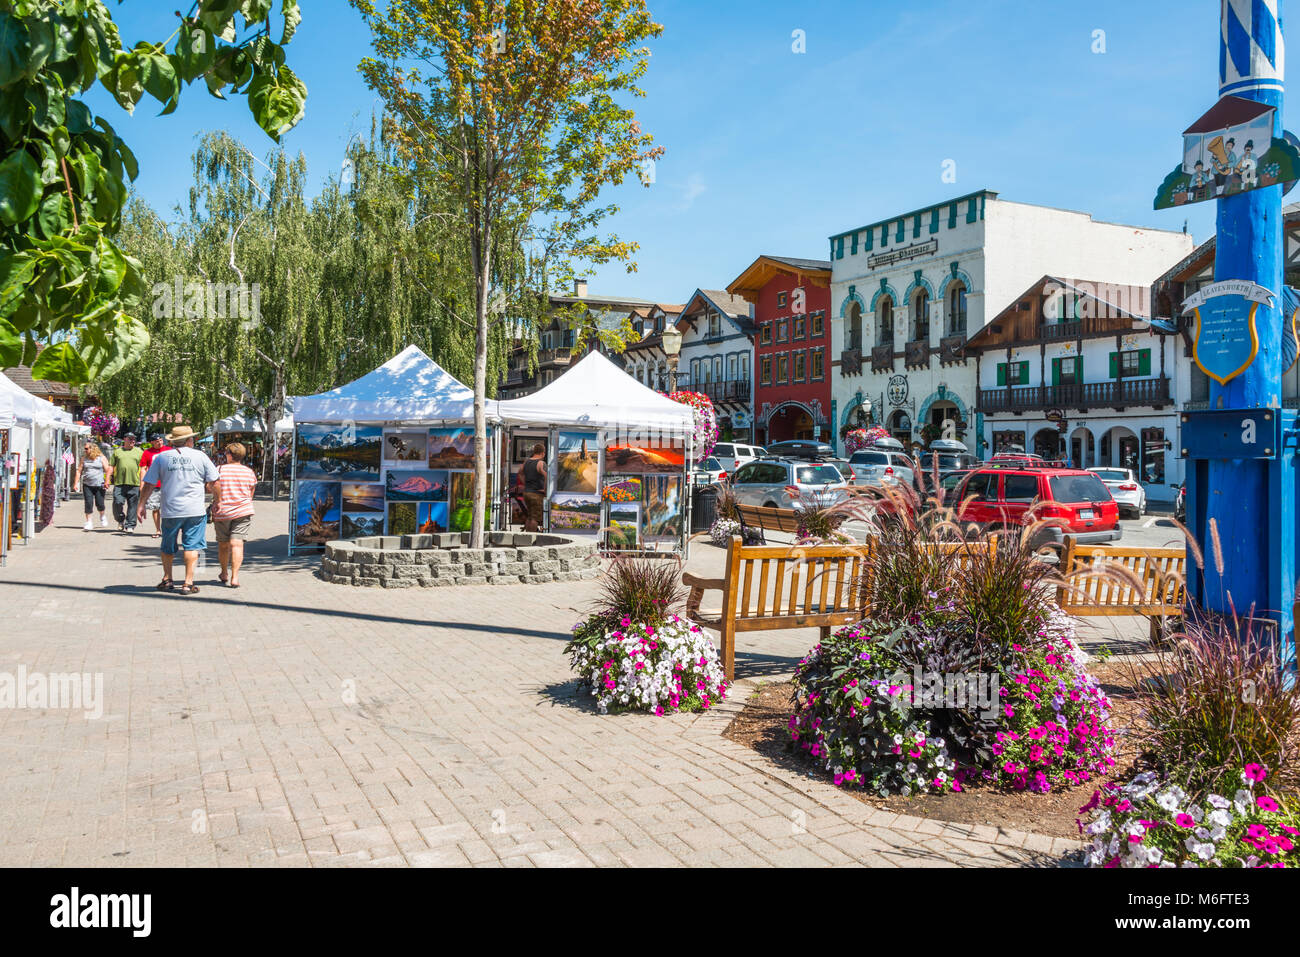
<point x="1075" y="502"/>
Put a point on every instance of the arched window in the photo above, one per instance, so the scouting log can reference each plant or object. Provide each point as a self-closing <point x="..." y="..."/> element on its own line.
<point x="956" y="308"/>
<point x="885" y="321"/>
<point x="921" y="315"/>
<point x="855" y="327"/>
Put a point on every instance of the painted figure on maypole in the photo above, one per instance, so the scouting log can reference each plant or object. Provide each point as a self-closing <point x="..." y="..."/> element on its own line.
<point x="1241" y="452"/>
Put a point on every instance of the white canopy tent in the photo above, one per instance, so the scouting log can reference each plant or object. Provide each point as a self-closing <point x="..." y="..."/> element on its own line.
<point x="239" y="422"/>
<point x="34" y="426"/>
<point x="408" y="389"/>
<point x="596" y="394"/>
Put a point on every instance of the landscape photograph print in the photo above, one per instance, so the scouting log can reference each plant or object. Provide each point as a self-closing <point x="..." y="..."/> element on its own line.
<point x="318" y="511"/>
<point x="662" y="517"/>
<point x="461" y="501"/>
<point x="630" y="458"/>
<point x="624" y="526"/>
<point x="359" y="526"/>
<point x="431" y="517"/>
<point x="577" y="464"/>
<point x="363" y="497"/>
<point x="451" y="448"/>
<point x="418" y="485"/>
<point x="401" y="518"/>
<point x="406" y="449"/>
<point x="575" y="513"/>
<point x="339" y="452"/>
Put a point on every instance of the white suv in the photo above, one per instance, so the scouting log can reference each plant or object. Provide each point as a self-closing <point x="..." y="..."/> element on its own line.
<point x="764" y="482"/>
<point x="732" y="456"/>
<point x="879" y="467"/>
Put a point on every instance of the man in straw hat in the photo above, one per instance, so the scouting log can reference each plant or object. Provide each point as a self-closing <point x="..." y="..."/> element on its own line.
<point x="185" y="474"/>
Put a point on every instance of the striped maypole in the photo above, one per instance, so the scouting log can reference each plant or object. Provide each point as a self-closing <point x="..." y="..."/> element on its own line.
<point x="1249" y="246"/>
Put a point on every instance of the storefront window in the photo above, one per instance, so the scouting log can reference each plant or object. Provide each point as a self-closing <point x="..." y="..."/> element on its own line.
<point x="1008" y="442"/>
<point x="1153" y="456"/>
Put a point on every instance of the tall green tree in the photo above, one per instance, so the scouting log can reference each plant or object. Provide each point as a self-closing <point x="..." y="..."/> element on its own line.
<point x="515" y="107"/>
<point x="64" y="280"/>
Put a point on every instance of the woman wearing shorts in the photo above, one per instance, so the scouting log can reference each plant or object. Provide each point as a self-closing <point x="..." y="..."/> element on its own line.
<point x="93" y="478"/>
<point x="232" y="513"/>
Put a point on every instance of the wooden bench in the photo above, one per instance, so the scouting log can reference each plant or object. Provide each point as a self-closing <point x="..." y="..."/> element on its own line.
<point x="768" y="587"/>
<point x="767" y="520"/>
<point x="1155" y="585"/>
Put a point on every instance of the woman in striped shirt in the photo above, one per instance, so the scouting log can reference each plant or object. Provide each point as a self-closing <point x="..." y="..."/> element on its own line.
<point x="232" y="511"/>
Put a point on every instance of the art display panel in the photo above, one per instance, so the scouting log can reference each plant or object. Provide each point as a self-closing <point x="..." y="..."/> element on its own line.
<point x="318" y="512"/>
<point x="339" y="452"/>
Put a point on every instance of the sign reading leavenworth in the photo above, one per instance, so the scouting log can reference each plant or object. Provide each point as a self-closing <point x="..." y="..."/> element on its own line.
<point x="1226" y="340"/>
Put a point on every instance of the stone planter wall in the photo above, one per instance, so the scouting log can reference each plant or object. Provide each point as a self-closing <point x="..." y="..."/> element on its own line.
<point x="510" y="558"/>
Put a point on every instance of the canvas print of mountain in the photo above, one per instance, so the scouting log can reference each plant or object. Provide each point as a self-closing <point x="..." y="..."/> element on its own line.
<point x="638" y="460"/>
<point x="359" y="526"/>
<point x="662" y="515"/>
<point x="417" y="485"/>
<point x="451" y="448"/>
<point x="361" y="497"/>
<point x="575" y="513"/>
<point x="406" y="450"/>
<point x="317" y="519"/>
<point x="339" y="453"/>
<point x="624" y="526"/>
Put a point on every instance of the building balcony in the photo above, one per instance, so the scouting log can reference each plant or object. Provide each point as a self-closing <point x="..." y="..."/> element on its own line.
<point x="514" y="376"/>
<point x="882" y="358"/>
<point x="735" y="390"/>
<point x="553" y="357"/>
<point x="851" y="362"/>
<point x="916" y="354"/>
<point x="952" y="349"/>
<point x="1116" y="394"/>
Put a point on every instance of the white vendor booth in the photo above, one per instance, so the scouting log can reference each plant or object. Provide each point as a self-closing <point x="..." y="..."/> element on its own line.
<point x="617" y="456"/>
<point x="389" y="453"/>
<point x="31" y="438"/>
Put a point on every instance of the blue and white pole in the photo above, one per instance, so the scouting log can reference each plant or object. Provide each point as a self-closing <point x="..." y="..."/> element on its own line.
<point x="1252" y="502"/>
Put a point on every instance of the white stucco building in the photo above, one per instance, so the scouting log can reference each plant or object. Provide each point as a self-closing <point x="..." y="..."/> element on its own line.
<point x="907" y="292"/>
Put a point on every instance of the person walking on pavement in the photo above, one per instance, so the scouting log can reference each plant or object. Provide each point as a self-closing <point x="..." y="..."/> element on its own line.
<point x="232" y="511"/>
<point x="185" y="474"/>
<point x="151" y="495"/>
<point x="96" y="473"/>
<point x="126" y="482"/>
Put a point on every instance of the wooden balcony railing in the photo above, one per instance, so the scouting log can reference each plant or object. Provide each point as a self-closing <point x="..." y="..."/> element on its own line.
<point x="916" y="353"/>
<point x="733" y="390"/>
<point x="1081" y="395"/>
<point x="851" y="362"/>
<point x="952" y="349"/>
<point x="882" y="358"/>
<point x="553" y="356"/>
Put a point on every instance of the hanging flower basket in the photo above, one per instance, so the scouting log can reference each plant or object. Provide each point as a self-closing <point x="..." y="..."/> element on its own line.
<point x="101" y="422"/>
<point x="706" y="421"/>
<point x="858" y="439"/>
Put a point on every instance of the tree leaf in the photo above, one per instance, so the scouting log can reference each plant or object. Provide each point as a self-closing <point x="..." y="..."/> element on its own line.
<point x="277" y="102"/>
<point x="11" y="345"/>
<point x="15" y="48"/>
<point x="292" y="17"/>
<point x="126" y="342"/>
<point x="55" y="214"/>
<point x="20" y="187"/>
<point x="60" y="362"/>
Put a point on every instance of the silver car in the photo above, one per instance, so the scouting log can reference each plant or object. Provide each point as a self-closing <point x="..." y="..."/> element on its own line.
<point x="1125" y="488"/>
<point x="708" y="472"/>
<point x="732" y="455"/>
<point x="765" y="482"/>
<point x="880" y="467"/>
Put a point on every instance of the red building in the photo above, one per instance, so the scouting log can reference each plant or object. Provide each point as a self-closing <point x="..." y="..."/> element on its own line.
<point x="792" y="386"/>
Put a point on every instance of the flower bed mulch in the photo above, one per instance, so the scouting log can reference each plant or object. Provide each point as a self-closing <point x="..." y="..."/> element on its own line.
<point x="762" y="725"/>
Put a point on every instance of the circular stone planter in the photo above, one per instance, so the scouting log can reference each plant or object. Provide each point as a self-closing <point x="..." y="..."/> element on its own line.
<point x="510" y="558"/>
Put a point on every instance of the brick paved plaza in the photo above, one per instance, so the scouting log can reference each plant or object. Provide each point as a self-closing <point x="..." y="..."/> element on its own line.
<point x="297" y="722"/>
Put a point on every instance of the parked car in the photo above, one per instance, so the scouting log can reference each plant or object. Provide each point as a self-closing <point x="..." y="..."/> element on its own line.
<point x="764" y="482"/>
<point x="708" y="472"/>
<point x="879" y="467"/>
<point x="1125" y="489"/>
<point x="843" y="465"/>
<point x="947" y="490"/>
<point x="801" y="449"/>
<point x="1180" y="505"/>
<point x="1076" y="502"/>
<point x="732" y="455"/>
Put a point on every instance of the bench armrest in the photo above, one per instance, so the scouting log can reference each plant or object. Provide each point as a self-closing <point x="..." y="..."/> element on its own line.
<point x="704" y="584"/>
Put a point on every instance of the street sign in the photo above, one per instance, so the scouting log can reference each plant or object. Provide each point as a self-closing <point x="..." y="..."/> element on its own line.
<point x="1226" y="340"/>
<point x="1231" y="434"/>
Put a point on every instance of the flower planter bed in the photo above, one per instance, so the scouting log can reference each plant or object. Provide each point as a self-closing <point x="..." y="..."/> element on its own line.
<point x="510" y="558"/>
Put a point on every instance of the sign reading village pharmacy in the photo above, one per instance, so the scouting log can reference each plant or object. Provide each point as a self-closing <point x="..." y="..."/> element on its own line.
<point x="1226" y="340"/>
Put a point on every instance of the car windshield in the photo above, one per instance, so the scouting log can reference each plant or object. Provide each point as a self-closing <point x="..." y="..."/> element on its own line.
<point x="947" y="460"/>
<point x="1114" y="475"/>
<point x="953" y="480"/>
<point x="712" y="465"/>
<point x="869" y="458"/>
<point x="817" y="475"/>
<point x="1079" y="488"/>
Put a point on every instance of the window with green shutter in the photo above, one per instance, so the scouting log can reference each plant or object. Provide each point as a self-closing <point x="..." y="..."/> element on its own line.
<point x="1002" y="373"/>
<point x="853" y="245"/>
<point x="884" y="236"/>
<point x="1067" y="370"/>
<point x="916" y="226"/>
<point x="952" y="216"/>
<point x="1056" y="372"/>
<point x="899" y="235"/>
<point x="1023" y="379"/>
<point x="1114" y="365"/>
<point x="1130" y="364"/>
<point x="972" y="212"/>
<point x="1019" y="373"/>
<point x="934" y="220"/>
<point x="867" y="237"/>
<point x="839" y="248"/>
<point x="1144" y="362"/>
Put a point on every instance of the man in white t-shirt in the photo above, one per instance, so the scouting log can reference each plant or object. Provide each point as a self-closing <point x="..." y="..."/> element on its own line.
<point x="185" y="474"/>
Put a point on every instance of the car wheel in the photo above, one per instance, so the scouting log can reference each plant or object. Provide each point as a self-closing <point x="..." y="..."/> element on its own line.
<point x="770" y="504"/>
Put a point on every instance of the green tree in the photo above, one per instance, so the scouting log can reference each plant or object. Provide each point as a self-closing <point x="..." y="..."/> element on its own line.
<point x="514" y="109"/>
<point x="64" y="280"/>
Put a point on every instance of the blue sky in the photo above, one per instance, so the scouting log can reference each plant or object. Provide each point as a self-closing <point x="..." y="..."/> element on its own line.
<point x="769" y="151"/>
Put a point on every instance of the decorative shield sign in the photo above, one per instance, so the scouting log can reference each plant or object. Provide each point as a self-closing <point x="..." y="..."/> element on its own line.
<point x="897" y="389"/>
<point x="1226" y="338"/>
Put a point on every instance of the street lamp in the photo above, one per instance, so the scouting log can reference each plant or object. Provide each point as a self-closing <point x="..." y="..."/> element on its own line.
<point x="672" y="342"/>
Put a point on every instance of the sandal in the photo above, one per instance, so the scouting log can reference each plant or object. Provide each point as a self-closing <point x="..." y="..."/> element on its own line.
<point x="188" y="590"/>
<point x="223" y="579"/>
<point x="166" y="585"/>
